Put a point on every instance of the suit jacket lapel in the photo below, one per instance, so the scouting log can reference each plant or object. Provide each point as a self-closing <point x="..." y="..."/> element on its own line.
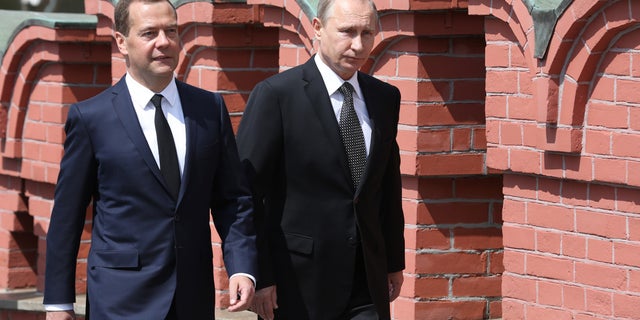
<point x="124" y="109"/>
<point x="188" y="109"/>
<point x="375" y="113"/>
<point x="318" y="98"/>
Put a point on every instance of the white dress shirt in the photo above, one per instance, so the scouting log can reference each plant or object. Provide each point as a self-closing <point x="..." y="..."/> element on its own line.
<point x="172" y="110"/>
<point x="333" y="82"/>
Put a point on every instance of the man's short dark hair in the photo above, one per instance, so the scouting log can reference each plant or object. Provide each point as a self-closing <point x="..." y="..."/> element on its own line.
<point x="121" y="14"/>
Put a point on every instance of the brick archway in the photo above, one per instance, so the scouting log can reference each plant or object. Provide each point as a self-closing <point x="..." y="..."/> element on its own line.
<point x="593" y="41"/>
<point x="44" y="70"/>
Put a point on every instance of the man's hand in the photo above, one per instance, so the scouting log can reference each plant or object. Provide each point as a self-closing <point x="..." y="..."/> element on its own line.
<point x="241" y="292"/>
<point x="61" y="315"/>
<point x="395" y="283"/>
<point x="265" y="302"/>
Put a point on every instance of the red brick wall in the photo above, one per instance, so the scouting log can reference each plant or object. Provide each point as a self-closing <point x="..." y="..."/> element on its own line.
<point x="571" y="250"/>
<point x="433" y="51"/>
<point x="564" y="130"/>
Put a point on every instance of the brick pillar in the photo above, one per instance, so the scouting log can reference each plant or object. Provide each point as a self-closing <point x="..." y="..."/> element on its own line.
<point x="452" y="204"/>
<point x="18" y="245"/>
<point x="58" y="85"/>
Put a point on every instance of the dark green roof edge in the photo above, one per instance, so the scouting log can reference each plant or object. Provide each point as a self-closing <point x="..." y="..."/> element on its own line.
<point x="309" y="7"/>
<point x="12" y="22"/>
<point x="178" y="3"/>
<point x="545" y="14"/>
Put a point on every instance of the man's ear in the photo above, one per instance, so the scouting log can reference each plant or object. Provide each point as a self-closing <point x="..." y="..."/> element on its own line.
<point x="122" y="43"/>
<point x="317" y="27"/>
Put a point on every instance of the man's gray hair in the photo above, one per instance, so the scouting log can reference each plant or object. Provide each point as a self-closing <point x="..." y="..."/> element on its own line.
<point x="325" y="9"/>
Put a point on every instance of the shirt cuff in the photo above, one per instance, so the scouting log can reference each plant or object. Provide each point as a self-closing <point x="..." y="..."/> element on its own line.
<point x="58" y="307"/>
<point x="246" y="275"/>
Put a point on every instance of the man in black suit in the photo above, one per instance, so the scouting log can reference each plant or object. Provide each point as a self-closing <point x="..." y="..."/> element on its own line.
<point x="155" y="155"/>
<point x="323" y="163"/>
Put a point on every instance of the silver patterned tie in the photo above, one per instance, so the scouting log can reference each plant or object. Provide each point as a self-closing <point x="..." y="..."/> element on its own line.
<point x="352" y="136"/>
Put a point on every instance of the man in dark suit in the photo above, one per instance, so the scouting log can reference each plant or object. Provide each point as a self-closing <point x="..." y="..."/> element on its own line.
<point x="323" y="163"/>
<point x="154" y="166"/>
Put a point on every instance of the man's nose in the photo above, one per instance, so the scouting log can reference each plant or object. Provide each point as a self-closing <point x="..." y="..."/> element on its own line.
<point x="356" y="43"/>
<point x="162" y="40"/>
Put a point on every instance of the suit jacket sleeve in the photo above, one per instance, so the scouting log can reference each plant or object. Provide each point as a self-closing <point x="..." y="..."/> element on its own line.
<point x="231" y="203"/>
<point x="392" y="215"/>
<point x="75" y="186"/>
<point x="260" y="145"/>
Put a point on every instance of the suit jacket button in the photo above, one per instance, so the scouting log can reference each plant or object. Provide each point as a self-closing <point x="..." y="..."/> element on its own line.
<point x="356" y="200"/>
<point x="176" y="218"/>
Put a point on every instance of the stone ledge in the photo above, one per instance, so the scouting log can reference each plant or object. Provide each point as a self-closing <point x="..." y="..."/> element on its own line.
<point x="12" y="22"/>
<point x="31" y="300"/>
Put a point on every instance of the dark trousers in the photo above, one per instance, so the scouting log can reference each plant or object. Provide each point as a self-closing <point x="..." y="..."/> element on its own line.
<point x="172" y="315"/>
<point x="360" y="305"/>
<point x="366" y="312"/>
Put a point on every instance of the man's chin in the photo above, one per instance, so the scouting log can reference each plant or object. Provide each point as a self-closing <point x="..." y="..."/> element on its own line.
<point x="353" y="64"/>
<point x="160" y="66"/>
<point x="350" y="69"/>
<point x="164" y="72"/>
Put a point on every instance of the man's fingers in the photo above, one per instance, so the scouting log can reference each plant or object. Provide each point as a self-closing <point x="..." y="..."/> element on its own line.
<point x="266" y="310"/>
<point x="264" y="303"/>
<point x="269" y="313"/>
<point x="233" y="294"/>
<point x="395" y="284"/>
<point x="246" y="295"/>
<point x="60" y="315"/>
<point x="394" y="292"/>
<point x="274" y="299"/>
<point x="261" y="311"/>
<point x="241" y="293"/>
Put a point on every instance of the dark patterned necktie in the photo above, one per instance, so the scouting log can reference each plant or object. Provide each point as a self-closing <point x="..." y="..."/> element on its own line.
<point x="352" y="136"/>
<point x="166" y="149"/>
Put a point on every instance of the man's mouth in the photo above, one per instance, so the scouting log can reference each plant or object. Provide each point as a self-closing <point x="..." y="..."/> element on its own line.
<point x="162" y="58"/>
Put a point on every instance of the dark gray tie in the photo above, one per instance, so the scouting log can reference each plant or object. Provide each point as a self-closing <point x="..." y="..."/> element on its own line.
<point x="352" y="136"/>
<point x="166" y="149"/>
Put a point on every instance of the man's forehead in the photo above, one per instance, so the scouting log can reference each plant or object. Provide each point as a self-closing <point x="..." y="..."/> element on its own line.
<point x="145" y="22"/>
<point x="355" y="20"/>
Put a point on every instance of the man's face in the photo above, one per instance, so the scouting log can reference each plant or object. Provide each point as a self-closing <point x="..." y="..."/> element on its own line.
<point x="347" y="37"/>
<point x="152" y="45"/>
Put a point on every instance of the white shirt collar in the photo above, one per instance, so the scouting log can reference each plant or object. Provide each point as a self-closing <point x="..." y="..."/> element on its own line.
<point x="332" y="80"/>
<point x="141" y="95"/>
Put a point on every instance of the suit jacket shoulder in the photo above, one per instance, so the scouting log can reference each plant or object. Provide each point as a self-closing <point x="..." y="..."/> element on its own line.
<point x="283" y="80"/>
<point x="370" y="82"/>
<point x="106" y="95"/>
<point x="191" y="89"/>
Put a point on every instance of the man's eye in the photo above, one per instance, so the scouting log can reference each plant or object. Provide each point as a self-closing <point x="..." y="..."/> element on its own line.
<point x="346" y="31"/>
